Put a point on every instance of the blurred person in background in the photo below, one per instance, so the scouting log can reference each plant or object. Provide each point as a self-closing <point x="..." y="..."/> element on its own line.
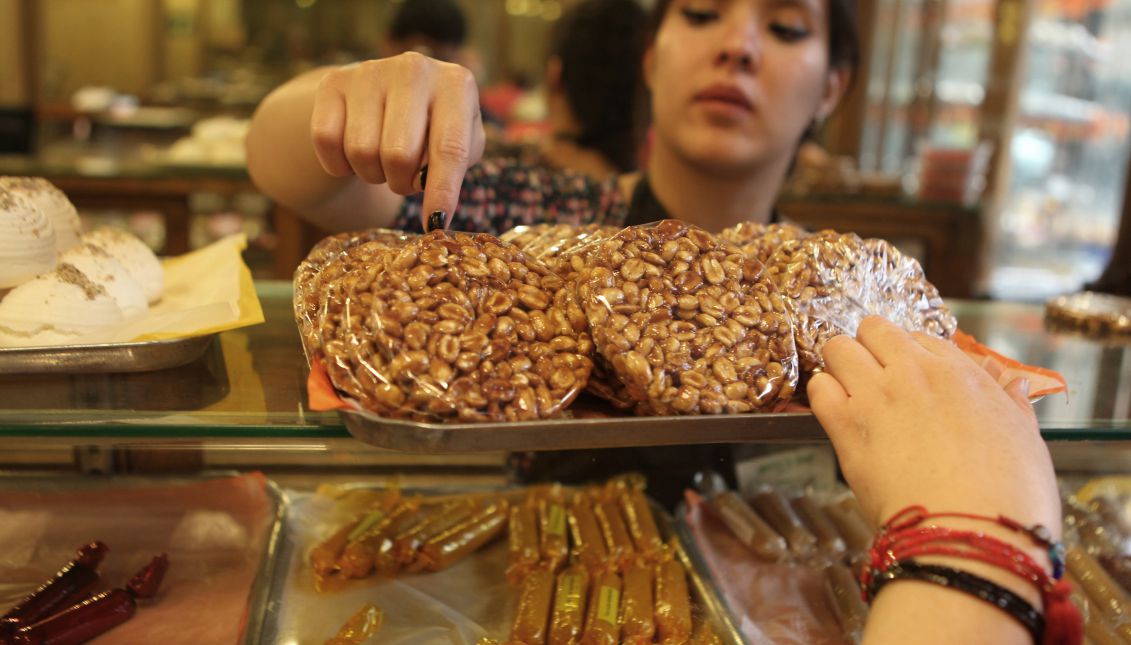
<point x="434" y="28"/>
<point x="596" y="112"/>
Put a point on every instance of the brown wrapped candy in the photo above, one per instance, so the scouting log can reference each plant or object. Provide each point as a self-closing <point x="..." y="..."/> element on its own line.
<point x="829" y="542"/>
<point x="360" y="555"/>
<point x="568" y="618"/>
<point x="673" y="603"/>
<point x="457" y="542"/>
<point x="637" y="609"/>
<point x="851" y="525"/>
<point x="773" y="506"/>
<point x="409" y="553"/>
<point x="523" y="551"/>
<point x="748" y="526"/>
<point x="534" y="603"/>
<point x="641" y="524"/>
<point x="553" y="524"/>
<point x="1108" y="597"/>
<point x="588" y="541"/>
<point x="602" y="618"/>
<point x="844" y="597"/>
<point x="613" y="529"/>
<point x="324" y="557"/>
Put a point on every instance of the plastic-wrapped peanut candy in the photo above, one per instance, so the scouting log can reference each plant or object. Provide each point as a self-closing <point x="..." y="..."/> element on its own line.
<point x="835" y="280"/>
<point x="549" y="242"/>
<point x="563" y="248"/>
<point x="759" y="241"/>
<point x="687" y="322"/>
<point x="461" y="327"/>
<point x="327" y="261"/>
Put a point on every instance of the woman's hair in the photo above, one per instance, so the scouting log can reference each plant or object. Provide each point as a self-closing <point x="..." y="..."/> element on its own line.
<point x="440" y="20"/>
<point x="600" y="44"/>
<point x="844" y="41"/>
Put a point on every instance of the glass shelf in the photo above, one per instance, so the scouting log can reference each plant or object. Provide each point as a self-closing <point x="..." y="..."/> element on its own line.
<point x="251" y="384"/>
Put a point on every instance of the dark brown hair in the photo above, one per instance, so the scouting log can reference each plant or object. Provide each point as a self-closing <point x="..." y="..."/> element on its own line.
<point x="600" y="44"/>
<point x="844" y="41"/>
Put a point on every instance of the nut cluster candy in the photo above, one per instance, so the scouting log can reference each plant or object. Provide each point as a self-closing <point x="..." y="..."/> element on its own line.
<point x="834" y="280"/>
<point x="454" y="326"/>
<point x="687" y="323"/>
<point x="330" y="259"/>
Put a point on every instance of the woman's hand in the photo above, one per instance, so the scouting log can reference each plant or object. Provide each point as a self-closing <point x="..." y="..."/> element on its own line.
<point x="915" y="421"/>
<point x="383" y="120"/>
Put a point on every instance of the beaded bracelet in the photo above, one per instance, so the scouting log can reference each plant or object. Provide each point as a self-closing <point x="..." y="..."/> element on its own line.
<point x="977" y="586"/>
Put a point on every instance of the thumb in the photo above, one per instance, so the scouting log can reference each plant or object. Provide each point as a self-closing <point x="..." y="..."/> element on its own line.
<point x="1018" y="390"/>
<point x="829" y="401"/>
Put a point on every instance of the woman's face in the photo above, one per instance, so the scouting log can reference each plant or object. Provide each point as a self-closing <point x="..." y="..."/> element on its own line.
<point x="735" y="83"/>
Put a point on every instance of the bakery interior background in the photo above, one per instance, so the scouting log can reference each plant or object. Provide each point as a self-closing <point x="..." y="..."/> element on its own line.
<point x="1007" y="119"/>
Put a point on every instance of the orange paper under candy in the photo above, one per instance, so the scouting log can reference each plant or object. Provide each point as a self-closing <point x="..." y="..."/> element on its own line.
<point x="1043" y="381"/>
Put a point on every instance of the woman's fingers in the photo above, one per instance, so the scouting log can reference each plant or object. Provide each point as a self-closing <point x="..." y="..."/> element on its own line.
<point x="327" y="129"/>
<point x="853" y="366"/>
<point x="455" y="140"/>
<point x="362" y="143"/>
<point x="830" y="403"/>
<point x="885" y="340"/>
<point x="405" y="133"/>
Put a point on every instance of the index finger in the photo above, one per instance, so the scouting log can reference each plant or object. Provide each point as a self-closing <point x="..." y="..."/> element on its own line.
<point x="450" y="148"/>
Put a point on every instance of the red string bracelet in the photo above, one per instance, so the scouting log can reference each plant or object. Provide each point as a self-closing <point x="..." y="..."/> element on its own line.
<point x="900" y="539"/>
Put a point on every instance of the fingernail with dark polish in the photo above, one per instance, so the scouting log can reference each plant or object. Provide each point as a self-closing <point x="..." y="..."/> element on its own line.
<point x="436" y="221"/>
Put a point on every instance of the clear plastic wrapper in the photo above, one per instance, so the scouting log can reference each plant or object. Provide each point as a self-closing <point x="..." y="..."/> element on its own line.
<point x="846" y="601"/>
<point x="774" y="506"/>
<point x="638" y="625"/>
<point x="686" y="322"/>
<point x="1109" y="598"/>
<point x="551" y="242"/>
<point x="588" y="541"/>
<point x="747" y="526"/>
<point x="522" y="541"/>
<point x="602" y="616"/>
<point x="618" y="542"/>
<point x="453" y="327"/>
<point x="760" y="241"/>
<point x="326" y="263"/>
<point x="534" y="608"/>
<point x="829" y="542"/>
<point x="773" y="603"/>
<point x="835" y="280"/>
<point x="570" y="595"/>
<point x="673" y="603"/>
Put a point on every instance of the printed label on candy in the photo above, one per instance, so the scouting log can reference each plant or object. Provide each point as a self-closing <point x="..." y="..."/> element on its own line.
<point x="608" y="605"/>
<point x="556" y="523"/>
<point x="571" y="591"/>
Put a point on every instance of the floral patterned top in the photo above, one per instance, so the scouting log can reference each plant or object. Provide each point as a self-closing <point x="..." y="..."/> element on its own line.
<point x="502" y="193"/>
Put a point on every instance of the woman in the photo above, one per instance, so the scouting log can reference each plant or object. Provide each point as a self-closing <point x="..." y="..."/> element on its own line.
<point x="735" y="86"/>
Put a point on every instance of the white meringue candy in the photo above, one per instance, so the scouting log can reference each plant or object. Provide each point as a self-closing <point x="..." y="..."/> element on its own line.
<point x="54" y="204"/>
<point x="57" y="308"/>
<point x="27" y="239"/>
<point x="138" y="259"/>
<point x="103" y="269"/>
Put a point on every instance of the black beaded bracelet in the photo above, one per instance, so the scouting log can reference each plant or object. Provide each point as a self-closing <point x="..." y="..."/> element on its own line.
<point x="977" y="586"/>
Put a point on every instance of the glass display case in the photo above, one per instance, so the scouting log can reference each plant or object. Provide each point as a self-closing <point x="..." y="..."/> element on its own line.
<point x="173" y="438"/>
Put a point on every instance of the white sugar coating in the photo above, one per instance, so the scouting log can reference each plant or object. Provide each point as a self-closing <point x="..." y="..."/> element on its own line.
<point x="103" y="269"/>
<point x="27" y="239"/>
<point x="57" y="308"/>
<point x="138" y="259"/>
<point x="54" y="204"/>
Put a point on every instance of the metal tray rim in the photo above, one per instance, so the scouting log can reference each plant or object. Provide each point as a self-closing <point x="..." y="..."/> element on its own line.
<point x="580" y="433"/>
<point x="133" y="356"/>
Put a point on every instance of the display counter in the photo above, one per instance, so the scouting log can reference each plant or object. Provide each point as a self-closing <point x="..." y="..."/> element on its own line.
<point x="164" y="437"/>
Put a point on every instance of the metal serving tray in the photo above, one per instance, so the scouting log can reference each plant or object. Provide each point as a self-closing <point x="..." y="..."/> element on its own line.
<point x="259" y="595"/>
<point x="291" y="616"/>
<point x="109" y="358"/>
<point x="580" y="433"/>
